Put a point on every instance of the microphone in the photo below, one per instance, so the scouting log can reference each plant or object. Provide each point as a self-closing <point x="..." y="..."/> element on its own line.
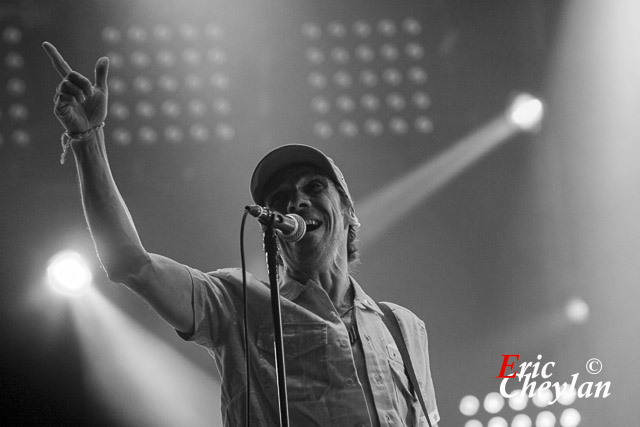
<point x="290" y="227"/>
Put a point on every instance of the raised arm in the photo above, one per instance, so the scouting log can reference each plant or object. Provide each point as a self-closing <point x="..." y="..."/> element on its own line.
<point x="81" y="107"/>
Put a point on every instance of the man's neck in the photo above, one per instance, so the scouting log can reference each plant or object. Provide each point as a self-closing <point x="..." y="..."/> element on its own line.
<point x="334" y="279"/>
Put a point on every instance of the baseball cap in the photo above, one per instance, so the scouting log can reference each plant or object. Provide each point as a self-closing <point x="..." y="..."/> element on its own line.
<point x="286" y="156"/>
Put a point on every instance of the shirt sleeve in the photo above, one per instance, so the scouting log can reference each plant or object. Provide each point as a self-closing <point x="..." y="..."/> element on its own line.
<point x="217" y="302"/>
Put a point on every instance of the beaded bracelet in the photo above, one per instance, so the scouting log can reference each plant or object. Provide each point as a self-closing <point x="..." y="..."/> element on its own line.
<point x="67" y="138"/>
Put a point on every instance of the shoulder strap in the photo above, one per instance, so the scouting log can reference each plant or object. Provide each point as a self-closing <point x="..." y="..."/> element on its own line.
<point x="391" y="321"/>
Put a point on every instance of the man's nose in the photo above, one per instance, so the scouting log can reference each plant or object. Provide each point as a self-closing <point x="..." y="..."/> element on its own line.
<point x="297" y="202"/>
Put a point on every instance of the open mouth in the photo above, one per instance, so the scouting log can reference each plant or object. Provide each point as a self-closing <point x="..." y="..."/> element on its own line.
<point x="312" y="224"/>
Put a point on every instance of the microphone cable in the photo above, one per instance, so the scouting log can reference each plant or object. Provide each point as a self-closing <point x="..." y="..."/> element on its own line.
<point x="244" y="318"/>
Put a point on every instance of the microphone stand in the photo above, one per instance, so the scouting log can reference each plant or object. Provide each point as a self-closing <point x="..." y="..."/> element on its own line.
<point x="271" y="248"/>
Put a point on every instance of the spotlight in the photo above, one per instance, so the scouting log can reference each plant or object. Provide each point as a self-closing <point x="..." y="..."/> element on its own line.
<point x="68" y="273"/>
<point x="525" y="112"/>
<point x="577" y="310"/>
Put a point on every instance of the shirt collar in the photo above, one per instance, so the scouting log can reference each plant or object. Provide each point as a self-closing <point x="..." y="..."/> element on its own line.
<point x="291" y="289"/>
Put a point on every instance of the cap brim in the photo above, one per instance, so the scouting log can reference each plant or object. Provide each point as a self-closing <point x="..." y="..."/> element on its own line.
<point x="283" y="158"/>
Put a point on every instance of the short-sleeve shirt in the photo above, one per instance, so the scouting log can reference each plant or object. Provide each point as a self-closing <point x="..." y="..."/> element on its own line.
<point x="323" y="386"/>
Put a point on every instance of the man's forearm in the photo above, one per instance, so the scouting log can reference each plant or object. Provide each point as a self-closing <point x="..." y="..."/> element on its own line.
<point x="117" y="242"/>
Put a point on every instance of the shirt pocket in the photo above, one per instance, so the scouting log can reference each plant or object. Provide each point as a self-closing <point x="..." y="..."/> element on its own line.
<point x="400" y="377"/>
<point x="305" y="349"/>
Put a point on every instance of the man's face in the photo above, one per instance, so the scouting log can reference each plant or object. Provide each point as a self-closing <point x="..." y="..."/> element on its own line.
<point x="305" y="191"/>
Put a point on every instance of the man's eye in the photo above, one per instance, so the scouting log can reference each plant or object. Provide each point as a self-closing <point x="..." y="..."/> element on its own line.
<point x="315" y="186"/>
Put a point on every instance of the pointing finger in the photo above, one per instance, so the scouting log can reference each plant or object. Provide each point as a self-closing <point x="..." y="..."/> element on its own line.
<point x="58" y="61"/>
<point x="102" y="70"/>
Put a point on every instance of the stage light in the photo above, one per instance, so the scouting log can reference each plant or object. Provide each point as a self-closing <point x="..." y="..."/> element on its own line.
<point x="166" y="58"/>
<point x="411" y="26"/>
<point x="197" y="108"/>
<point x="469" y="405"/>
<point x="525" y="112"/>
<point x="311" y="31"/>
<point x="217" y="56"/>
<point x="14" y="61"/>
<point x="423" y="124"/>
<point x="16" y="86"/>
<point x="173" y="134"/>
<point x="365" y="53"/>
<point x="171" y="109"/>
<point x="361" y="28"/>
<point x="192" y="57"/>
<point x="396" y="101"/>
<point x="542" y="398"/>
<point x="493" y="402"/>
<point x="162" y="32"/>
<point x="323" y="130"/>
<point x="145" y="109"/>
<point x="497" y="422"/>
<point x="18" y="112"/>
<point x="225" y="132"/>
<point x="188" y="32"/>
<point x="220" y="81"/>
<point x="370" y="102"/>
<point x="518" y="400"/>
<point x="193" y="82"/>
<point x="140" y="59"/>
<point x="386" y="27"/>
<point x="473" y="423"/>
<point x="521" y="420"/>
<point x="398" y="125"/>
<point x="345" y="103"/>
<point x="577" y="310"/>
<point x="570" y="417"/>
<point x="122" y="136"/>
<point x="117" y="86"/>
<point x="343" y="79"/>
<point x="389" y="52"/>
<point x="568" y="397"/>
<point x="168" y="83"/>
<point x="116" y="60"/>
<point x="336" y="29"/>
<point x="417" y="75"/>
<point x="373" y="127"/>
<point x="545" y="419"/>
<point x="137" y="34"/>
<point x="119" y="111"/>
<point x="392" y="76"/>
<point x="199" y="133"/>
<point x="421" y="100"/>
<point x="147" y="135"/>
<point x="314" y="55"/>
<point x="348" y="128"/>
<point x="68" y="273"/>
<point x="142" y="84"/>
<point x="320" y="105"/>
<point x="221" y="106"/>
<point x="213" y="31"/>
<point x="340" y="55"/>
<point x="21" y="138"/>
<point x="12" y="35"/>
<point x="368" y="78"/>
<point x="414" y="50"/>
<point x="317" y="80"/>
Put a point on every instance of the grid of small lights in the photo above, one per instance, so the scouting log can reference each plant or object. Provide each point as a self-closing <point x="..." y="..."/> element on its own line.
<point x="167" y="83"/>
<point x="14" y="113"/>
<point x="494" y="403"/>
<point x="368" y="78"/>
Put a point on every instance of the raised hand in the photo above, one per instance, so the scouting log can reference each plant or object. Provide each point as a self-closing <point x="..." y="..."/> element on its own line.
<point x="79" y="104"/>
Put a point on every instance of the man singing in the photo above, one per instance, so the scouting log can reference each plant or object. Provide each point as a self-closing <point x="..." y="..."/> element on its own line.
<point x="343" y="366"/>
